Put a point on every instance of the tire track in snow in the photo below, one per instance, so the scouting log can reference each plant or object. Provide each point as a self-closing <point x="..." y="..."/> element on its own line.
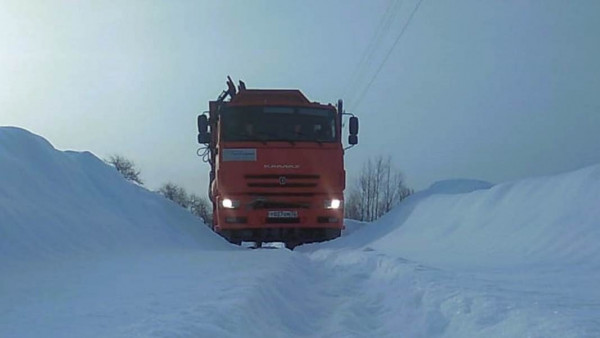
<point x="387" y="297"/>
<point x="331" y="293"/>
<point x="286" y="294"/>
<point x="407" y="299"/>
<point x="269" y="293"/>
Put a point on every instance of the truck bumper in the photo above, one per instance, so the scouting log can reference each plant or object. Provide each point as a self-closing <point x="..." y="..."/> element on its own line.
<point x="275" y="234"/>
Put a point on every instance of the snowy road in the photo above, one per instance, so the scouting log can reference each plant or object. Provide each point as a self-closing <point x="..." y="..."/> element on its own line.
<point x="315" y="293"/>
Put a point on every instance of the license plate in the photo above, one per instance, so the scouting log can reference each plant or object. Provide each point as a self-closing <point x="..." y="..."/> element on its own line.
<point x="282" y="214"/>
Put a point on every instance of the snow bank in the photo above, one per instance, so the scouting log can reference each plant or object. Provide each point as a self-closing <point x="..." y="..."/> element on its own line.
<point x="351" y="225"/>
<point x="359" y="234"/>
<point x="55" y="203"/>
<point x="548" y="221"/>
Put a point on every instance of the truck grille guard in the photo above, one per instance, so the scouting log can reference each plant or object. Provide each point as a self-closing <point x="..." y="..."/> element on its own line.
<point x="282" y="181"/>
<point x="274" y="184"/>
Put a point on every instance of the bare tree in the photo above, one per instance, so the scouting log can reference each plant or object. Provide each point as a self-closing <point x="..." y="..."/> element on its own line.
<point x="198" y="206"/>
<point x="378" y="189"/>
<point x="201" y="207"/>
<point x="175" y="193"/>
<point x="126" y="167"/>
<point x="353" y="205"/>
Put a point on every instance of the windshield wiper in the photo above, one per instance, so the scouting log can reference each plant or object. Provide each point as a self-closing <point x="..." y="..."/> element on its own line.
<point x="262" y="137"/>
<point x="242" y="137"/>
<point x="305" y="139"/>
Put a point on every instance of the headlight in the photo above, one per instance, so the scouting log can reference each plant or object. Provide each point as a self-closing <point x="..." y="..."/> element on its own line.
<point x="229" y="204"/>
<point x="333" y="204"/>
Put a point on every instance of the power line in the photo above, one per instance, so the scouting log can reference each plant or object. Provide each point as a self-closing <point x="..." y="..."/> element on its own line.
<point x="382" y="29"/>
<point x="384" y="33"/>
<point x="412" y="14"/>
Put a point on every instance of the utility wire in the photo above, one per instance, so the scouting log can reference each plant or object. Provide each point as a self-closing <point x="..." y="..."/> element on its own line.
<point x="382" y="29"/>
<point x="374" y="37"/>
<point x="364" y="92"/>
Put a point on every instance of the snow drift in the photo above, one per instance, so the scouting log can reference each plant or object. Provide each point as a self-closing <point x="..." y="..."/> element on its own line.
<point x="548" y="221"/>
<point x="58" y="203"/>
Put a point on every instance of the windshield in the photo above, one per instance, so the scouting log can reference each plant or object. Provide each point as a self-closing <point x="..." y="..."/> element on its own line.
<point x="278" y="124"/>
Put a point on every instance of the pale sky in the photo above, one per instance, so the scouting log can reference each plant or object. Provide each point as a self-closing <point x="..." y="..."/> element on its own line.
<point x="491" y="90"/>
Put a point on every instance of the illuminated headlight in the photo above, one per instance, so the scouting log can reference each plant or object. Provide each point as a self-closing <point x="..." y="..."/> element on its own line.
<point x="333" y="204"/>
<point x="229" y="204"/>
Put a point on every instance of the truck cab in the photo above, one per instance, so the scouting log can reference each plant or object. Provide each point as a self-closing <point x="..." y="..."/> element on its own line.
<point x="277" y="166"/>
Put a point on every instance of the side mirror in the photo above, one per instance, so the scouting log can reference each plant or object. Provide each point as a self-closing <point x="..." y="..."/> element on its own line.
<point x="203" y="134"/>
<point x="353" y="126"/>
<point x="204" y="138"/>
<point x="352" y="139"/>
<point x="202" y="124"/>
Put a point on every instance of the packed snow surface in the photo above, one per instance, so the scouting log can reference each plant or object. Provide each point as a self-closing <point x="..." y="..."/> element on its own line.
<point x="84" y="253"/>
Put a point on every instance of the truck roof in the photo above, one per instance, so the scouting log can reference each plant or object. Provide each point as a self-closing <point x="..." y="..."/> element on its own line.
<point x="272" y="97"/>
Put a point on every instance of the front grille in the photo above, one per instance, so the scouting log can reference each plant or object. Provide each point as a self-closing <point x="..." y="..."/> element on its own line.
<point x="278" y="205"/>
<point x="282" y="181"/>
<point x="295" y="194"/>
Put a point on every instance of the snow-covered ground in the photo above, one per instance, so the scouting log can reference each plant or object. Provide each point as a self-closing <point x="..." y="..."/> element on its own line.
<point x="84" y="253"/>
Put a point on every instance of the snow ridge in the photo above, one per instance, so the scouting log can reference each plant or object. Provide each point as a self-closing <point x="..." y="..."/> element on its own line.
<point x="63" y="203"/>
<point x="551" y="221"/>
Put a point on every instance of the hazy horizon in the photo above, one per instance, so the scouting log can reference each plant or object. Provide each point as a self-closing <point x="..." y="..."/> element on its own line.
<point x="495" y="91"/>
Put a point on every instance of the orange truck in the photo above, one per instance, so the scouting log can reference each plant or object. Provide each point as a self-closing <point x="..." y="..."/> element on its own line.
<point x="276" y="165"/>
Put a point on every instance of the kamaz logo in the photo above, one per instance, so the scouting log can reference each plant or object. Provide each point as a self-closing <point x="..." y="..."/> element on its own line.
<point x="282" y="166"/>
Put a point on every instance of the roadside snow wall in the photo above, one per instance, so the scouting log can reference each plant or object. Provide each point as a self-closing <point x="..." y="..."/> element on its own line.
<point x="62" y="202"/>
<point x="543" y="221"/>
